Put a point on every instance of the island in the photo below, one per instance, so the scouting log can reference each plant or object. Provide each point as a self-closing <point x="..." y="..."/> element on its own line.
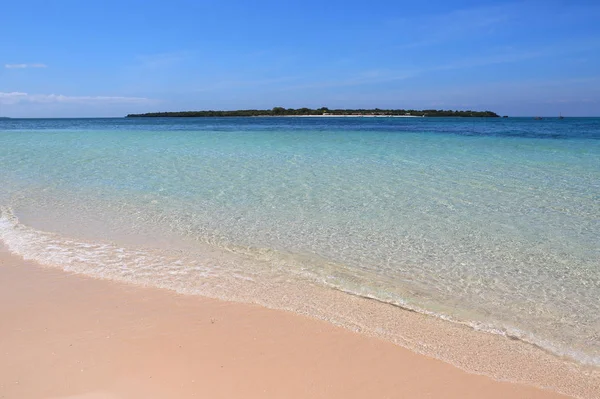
<point x="323" y="111"/>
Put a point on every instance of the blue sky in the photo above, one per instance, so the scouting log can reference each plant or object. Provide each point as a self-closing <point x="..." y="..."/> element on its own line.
<point x="65" y="58"/>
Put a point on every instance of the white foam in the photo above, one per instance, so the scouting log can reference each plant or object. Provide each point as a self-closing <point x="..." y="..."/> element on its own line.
<point x="220" y="276"/>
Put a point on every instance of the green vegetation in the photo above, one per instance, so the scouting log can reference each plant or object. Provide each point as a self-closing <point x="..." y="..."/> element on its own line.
<point x="280" y="111"/>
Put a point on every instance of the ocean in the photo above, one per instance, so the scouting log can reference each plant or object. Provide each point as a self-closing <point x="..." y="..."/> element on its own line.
<point x="490" y="223"/>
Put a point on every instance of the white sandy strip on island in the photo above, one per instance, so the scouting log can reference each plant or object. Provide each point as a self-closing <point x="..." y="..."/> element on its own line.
<point x="70" y="336"/>
<point x="350" y="116"/>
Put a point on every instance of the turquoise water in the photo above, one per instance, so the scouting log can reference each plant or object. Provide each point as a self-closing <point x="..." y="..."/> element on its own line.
<point x="490" y="222"/>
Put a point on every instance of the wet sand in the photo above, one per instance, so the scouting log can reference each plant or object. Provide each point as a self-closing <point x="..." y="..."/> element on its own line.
<point x="69" y="336"/>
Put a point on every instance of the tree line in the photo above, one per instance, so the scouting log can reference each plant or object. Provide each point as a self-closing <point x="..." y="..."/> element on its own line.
<point x="280" y="111"/>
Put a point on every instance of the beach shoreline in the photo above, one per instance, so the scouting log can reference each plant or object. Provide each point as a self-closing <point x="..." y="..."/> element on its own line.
<point x="67" y="336"/>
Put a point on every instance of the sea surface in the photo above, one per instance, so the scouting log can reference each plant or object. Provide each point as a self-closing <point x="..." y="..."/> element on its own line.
<point x="493" y="223"/>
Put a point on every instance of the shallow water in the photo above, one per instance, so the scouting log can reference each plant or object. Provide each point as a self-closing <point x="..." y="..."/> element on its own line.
<point x="490" y="222"/>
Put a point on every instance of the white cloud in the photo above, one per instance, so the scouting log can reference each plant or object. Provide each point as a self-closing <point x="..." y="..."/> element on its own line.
<point x="19" y="97"/>
<point x="12" y="98"/>
<point x="22" y="66"/>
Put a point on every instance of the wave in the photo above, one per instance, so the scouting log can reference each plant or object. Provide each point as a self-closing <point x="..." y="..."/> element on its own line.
<point x="230" y="272"/>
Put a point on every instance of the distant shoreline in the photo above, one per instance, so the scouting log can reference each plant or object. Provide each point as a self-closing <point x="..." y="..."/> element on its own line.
<point x="321" y="112"/>
<point x="345" y="116"/>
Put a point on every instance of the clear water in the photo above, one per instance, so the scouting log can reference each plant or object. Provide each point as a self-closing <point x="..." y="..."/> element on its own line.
<point x="490" y="222"/>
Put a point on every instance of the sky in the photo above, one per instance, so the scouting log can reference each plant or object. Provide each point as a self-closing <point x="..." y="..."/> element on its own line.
<point x="73" y="58"/>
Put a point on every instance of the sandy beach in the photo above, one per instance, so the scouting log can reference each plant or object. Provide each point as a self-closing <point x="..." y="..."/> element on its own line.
<point x="69" y="336"/>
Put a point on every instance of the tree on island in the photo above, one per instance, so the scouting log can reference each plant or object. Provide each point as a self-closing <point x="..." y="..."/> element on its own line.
<point x="278" y="111"/>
